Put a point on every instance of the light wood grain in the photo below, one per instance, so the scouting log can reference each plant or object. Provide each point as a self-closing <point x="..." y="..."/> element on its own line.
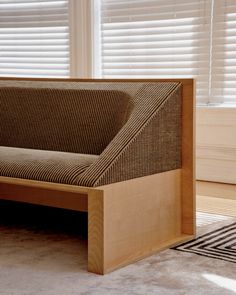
<point x="44" y="184"/>
<point x="136" y="219"/>
<point x="183" y="81"/>
<point x="188" y="159"/>
<point x="44" y="193"/>
<point x="96" y="220"/>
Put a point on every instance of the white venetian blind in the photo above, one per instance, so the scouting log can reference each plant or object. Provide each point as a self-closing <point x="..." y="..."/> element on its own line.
<point x="170" y="39"/>
<point x="224" y="52"/>
<point x="156" y="39"/>
<point x="34" y="38"/>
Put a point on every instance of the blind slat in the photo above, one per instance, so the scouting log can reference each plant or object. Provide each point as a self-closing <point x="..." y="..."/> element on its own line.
<point x="224" y="52"/>
<point x="167" y="38"/>
<point x="34" y="38"/>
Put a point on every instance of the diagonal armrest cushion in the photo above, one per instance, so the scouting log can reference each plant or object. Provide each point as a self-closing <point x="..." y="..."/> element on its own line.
<point x="149" y="142"/>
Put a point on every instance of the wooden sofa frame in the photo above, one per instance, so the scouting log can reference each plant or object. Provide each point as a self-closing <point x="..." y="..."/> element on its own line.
<point x="128" y="220"/>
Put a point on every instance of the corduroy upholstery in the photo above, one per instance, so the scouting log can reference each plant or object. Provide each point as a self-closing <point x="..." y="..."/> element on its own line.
<point x="77" y="121"/>
<point x="145" y="119"/>
<point x="43" y="165"/>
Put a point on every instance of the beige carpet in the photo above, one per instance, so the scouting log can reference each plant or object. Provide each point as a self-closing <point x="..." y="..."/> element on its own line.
<point x="44" y="251"/>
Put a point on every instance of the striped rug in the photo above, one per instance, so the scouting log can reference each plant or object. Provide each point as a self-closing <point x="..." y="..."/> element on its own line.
<point x="218" y="244"/>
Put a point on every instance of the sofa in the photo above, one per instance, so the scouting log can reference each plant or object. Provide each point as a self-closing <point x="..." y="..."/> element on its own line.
<point x="121" y="150"/>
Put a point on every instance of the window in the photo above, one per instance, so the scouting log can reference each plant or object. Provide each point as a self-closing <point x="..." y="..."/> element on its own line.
<point x="169" y="38"/>
<point x="34" y="38"/>
<point x="138" y="38"/>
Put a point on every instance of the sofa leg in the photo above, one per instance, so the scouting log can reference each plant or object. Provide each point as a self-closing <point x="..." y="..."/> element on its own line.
<point x="133" y="219"/>
<point x="96" y="232"/>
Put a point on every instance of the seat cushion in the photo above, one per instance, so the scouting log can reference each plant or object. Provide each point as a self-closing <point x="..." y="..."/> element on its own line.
<point x="49" y="166"/>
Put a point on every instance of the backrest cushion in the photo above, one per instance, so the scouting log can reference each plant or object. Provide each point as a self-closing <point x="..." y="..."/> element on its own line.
<point x="69" y="120"/>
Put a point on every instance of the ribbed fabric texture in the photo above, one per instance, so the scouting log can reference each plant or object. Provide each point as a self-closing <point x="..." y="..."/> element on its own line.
<point x="49" y="166"/>
<point x="156" y="147"/>
<point x="77" y="121"/>
<point x="150" y="141"/>
<point x="147" y="137"/>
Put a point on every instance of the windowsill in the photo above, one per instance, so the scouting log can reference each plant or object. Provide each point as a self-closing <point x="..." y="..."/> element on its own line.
<point x="221" y="106"/>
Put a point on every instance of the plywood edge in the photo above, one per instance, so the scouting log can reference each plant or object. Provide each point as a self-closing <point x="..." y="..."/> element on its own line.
<point x="96" y="232"/>
<point x="188" y="159"/>
<point x="185" y="81"/>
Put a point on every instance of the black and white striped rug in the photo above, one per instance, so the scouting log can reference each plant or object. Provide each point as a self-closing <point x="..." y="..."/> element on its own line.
<point x="218" y="244"/>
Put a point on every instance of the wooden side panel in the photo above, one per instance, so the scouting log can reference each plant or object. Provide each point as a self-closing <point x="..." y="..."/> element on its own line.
<point x="188" y="159"/>
<point x="137" y="218"/>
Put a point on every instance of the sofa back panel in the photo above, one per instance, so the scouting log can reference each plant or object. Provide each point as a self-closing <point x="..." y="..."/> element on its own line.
<point x="69" y="120"/>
